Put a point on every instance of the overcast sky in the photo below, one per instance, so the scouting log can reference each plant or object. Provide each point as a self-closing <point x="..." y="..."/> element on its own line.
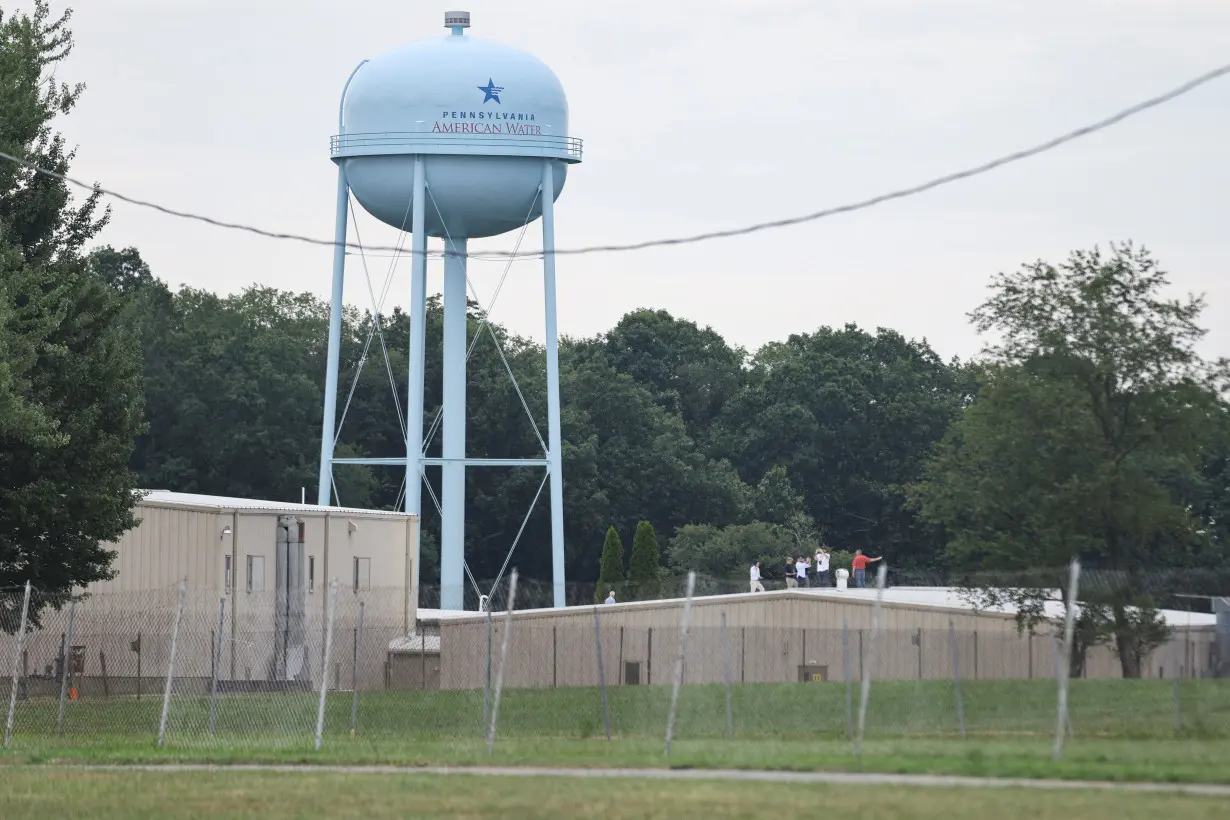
<point x="696" y="114"/>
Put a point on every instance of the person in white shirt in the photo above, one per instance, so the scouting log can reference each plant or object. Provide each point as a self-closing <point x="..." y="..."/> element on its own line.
<point x="755" y="576"/>
<point x="800" y="571"/>
<point x="822" y="567"/>
<point x="610" y="597"/>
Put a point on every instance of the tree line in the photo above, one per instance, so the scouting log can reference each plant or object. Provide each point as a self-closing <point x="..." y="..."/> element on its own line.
<point x="1088" y="427"/>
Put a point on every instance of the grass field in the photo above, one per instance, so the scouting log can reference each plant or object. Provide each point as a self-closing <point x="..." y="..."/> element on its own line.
<point x="40" y="793"/>
<point x="1124" y="730"/>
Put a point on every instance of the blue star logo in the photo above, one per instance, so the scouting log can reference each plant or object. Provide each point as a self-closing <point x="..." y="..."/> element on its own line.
<point x="491" y="91"/>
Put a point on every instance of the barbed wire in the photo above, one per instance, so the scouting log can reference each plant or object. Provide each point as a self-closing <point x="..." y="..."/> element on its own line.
<point x="689" y="239"/>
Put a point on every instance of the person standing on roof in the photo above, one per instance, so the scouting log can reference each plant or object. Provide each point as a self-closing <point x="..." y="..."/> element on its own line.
<point x="755" y="578"/>
<point x="800" y="571"/>
<point x="791" y="580"/>
<point x="822" y="567"/>
<point x="859" y="565"/>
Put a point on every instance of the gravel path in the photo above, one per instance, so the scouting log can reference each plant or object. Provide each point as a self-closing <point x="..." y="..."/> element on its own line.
<point x="833" y="778"/>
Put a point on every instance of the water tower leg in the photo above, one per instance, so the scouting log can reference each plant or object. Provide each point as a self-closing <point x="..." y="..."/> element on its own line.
<point x="325" y="484"/>
<point x="453" y="489"/>
<point x="555" y="454"/>
<point x="418" y="353"/>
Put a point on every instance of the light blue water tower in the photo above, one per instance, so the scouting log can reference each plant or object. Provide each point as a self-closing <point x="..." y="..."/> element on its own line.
<point x="456" y="138"/>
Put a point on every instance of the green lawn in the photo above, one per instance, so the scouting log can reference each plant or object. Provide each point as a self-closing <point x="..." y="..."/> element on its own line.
<point x="41" y="793"/>
<point x="1123" y="729"/>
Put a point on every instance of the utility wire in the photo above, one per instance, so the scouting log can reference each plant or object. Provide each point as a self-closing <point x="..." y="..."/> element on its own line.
<point x="691" y="239"/>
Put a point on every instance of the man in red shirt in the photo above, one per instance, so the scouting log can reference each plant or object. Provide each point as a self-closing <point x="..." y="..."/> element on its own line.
<point x="859" y="564"/>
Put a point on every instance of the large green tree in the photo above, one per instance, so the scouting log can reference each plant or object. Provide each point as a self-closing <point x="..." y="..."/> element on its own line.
<point x="626" y="459"/>
<point x="72" y="367"/>
<point x="722" y="556"/>
<point x="851" y="416"/>
<point x="1094" y="404"/>
<point x="234" y="397"/>
<point x="690" y="371"/>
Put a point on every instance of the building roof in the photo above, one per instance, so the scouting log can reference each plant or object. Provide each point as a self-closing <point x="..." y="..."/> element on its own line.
<point x="217" y="503"/>
<point x="947" y="598"/>
<point x="452" y="614"/>
<point x="952" y="598"/>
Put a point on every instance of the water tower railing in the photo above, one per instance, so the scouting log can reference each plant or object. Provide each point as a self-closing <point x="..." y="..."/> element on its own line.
<point x="419" y="142"/>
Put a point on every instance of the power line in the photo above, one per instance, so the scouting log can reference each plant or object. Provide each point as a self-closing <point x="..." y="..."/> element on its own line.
<point x="691" y="239"/>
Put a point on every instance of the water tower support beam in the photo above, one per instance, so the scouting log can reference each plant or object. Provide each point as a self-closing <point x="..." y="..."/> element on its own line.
<point x="324" y="486"/>
<point x="418" y="352"/>
<point x="555" y="449"/>
<point x="328" y="432"/>
<point x="453" y="470"/>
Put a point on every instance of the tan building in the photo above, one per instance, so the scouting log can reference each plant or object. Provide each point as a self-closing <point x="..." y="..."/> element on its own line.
<point x="258" y="569"/>
<point x="231" y="546"/>
<point x="780" y="636"/>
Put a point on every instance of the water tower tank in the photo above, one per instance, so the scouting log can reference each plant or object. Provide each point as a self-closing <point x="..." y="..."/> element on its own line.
<point x="484" y="113"/>
<point x="459" y="138"/>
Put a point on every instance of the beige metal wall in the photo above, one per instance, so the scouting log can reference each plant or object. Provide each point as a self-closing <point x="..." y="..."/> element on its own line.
<point x="172" y="542"/>
<point x="770" y="637"/>
<point x="168" y="544"/>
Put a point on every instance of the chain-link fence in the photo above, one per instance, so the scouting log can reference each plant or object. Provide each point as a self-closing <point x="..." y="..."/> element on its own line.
<point x="191" y="669"/>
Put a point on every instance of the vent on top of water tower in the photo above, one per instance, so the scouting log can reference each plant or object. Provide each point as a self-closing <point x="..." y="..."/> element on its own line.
<point x="457" y="20"/>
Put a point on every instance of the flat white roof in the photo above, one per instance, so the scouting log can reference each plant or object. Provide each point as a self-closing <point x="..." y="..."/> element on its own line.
<point x="224" y="503"/>
<point x="951" y="598"/>
<point x="453" y="614"/>
<point x="938" y="597"/>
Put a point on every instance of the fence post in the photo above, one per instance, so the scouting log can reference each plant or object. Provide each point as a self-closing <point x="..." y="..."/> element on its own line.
<point x="1178" y="707"/>
<point x="68" y="648"/>
<point x="166" y="692"/>
<point x="845" y="662"/>
<point x="743" y="654"/>
<point x="678" y="676"/>
<point x="606" y="709"/>
<point x="19" y="646"/>
<point x="620" y="669"/>
<point x="871" y="656"/>
<point x="213" y="684"/>
<point x="354" y="673"/>
<point x="486" y="676"/>
<point x="730" y="723"/>
<point x="1059" y="664"/>
<point x="956" y="675"/>
<point x="1069" y="625"/>
<point x="649" y="657"/>
<point x="324" y="672"/>
<point x="499" y="675"/>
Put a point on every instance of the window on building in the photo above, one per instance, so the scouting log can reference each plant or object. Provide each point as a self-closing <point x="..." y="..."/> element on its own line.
<point x="362" y="574"/>
<point x="256" y="573"/>
<point x="226" y="571"/>
<point x="311" y="573"/>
